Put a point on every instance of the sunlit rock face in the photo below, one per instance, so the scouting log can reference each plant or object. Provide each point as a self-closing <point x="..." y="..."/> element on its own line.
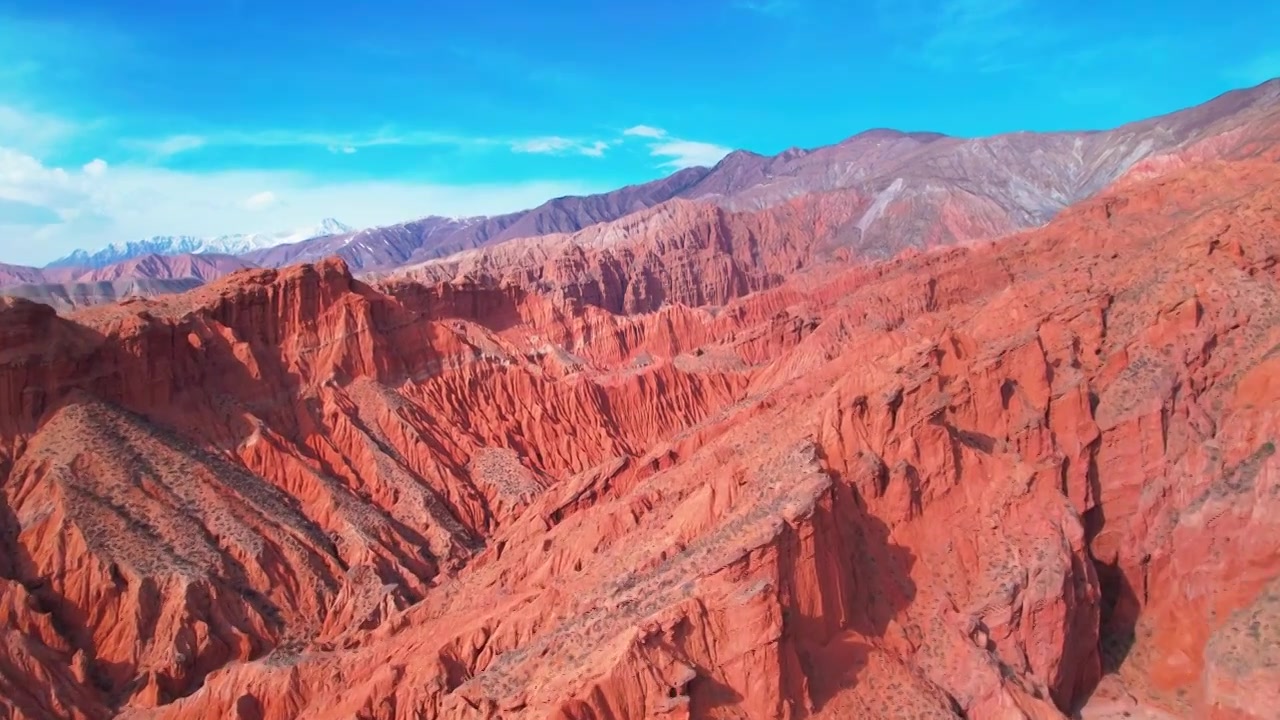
<point x="707" y="464"/>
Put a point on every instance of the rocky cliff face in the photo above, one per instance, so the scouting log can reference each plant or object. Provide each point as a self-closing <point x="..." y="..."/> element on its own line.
<point x="432" y="237"/>
<point x="18" y="274"/>
<point x="67" y="297"/>
<point x="921" y="190"/>
<point x="867" y="198"/>
<point x="757" y="220"/>
<point x="686" y="253"/>
<point x="650" y="474"/>
<point x="67" y="288"/>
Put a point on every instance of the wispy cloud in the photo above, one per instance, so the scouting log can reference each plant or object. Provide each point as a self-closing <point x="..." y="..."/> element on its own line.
<point x="351" y="143"/>
<point x="677" y="153"/>
<point x="172" y="145"/>
<point x="644" y="131"/>
<point x="543" y="145"/>
<point x="47" y="210"/>
<point x="346" y="143"/>
<point x="595" y="149"/>
<point x="32" y="130"/>
<point x="21" y="213"/>
<point x="96" y="167"/>
<point x="676" y="150"/>
<point x="556" y="145"/>
<point x="680" y="154"/>
<point x="260" y="201"/>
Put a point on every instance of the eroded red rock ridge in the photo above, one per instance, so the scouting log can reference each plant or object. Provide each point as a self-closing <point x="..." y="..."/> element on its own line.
<point x="696" y="463"/>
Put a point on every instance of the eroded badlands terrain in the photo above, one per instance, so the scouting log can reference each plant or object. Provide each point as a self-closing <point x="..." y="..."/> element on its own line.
<point x="1000" y="480"/>
<point x="708" y="465"/>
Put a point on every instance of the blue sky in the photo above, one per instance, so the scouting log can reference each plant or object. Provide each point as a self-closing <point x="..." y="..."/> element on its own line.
<point x="126" y="118"/>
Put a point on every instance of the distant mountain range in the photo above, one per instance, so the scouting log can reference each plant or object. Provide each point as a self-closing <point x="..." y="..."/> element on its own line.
<point x="915" y="189"/>
<point x="186" y="244"/>
<point x="870" y="196"/>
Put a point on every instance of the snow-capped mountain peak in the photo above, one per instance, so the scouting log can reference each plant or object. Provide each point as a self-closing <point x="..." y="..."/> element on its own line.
<point x="240" y="244"/>
<point x="329" y="226"/>
<point x="237" y="244"/>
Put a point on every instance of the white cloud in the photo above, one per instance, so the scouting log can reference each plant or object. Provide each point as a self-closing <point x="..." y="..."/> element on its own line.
<point x="556" y="145"/>
<point x="261" y="201"/>
<point x="47" y="211"/>
<point x="23" y="178"/>
<point x="350" y="143"/>
<point x="30" y="130"/>
<point x="595" y="149"/>
<point x="677" y="153"/>
<point x="133" y="202"/>
<point x="16" y="214"/>
<point x="345" y="143"/>
<point x="688" y="153"/>
<point x="542" y="145"/>
<point x="645" y="131"/>
<point x="173" y="145"/>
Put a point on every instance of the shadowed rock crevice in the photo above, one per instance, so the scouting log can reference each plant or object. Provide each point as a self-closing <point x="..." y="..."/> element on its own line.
<point x="843" y="582"/>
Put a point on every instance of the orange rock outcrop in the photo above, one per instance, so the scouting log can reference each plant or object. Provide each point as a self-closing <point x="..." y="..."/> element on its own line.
<point x="672" y="479"/>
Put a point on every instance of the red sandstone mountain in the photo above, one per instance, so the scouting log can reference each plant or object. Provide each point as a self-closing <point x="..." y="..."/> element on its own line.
<point x="679" y="252"/>
<point x="920" y="186"/>
<point x="18" y="274"/>
<point x="431" y="237"/>
<point x="66" y="297"/>
<point x="203" y="267"/>
<point x="883" y="191"/>
<point x="69" y="288"/>
<point x="691" y="464"/>
<point x="643" y="261"/>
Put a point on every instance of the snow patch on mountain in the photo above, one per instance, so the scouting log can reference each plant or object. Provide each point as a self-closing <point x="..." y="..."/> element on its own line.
<point x="238" y="244"/>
